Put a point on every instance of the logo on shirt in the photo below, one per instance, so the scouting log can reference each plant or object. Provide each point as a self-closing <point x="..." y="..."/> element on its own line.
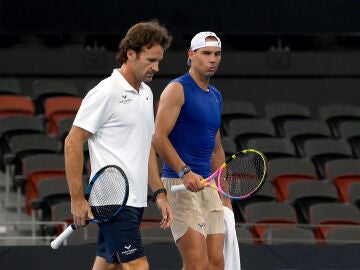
<point x="128" y="250"/>
<point x="125" y="100"/>
<point x="201" y="225"/>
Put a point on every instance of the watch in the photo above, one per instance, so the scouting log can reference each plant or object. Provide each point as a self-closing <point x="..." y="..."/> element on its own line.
<point x="184" y="170"/>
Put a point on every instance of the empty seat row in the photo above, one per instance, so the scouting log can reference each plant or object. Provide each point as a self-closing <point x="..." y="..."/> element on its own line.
<point x="261" y="216"/>
<point x="298" y="132"/>
<point x="41" y="88"/>
<point x="318" y="151"/>
<point x="282" y="234"/>
<point x="279" y="113"/>
<point x="55" y="110"/>
<point x="340" y="172"/>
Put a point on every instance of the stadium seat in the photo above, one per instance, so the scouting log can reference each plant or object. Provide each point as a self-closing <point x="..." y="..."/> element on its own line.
<point x="266" y="193"/>
<point x="236" y="109"/>
<point x="284" y="171"/>
<point x="13" y="126"/>
<point x="354" y="194"/>
<point x="298" y="131"/>
<point x="36" y="168"/>
<point x="335" y="113"/>
<point x="29" y="144"/>
<point x="323" y="150"/>
<point x="58" y="108"/>
<point x="60" y="212"/>
<point x="20" y="147"/>
<point x="268" y="213"/>
<point x="303" y="194"/>
<point x="272" y="147"/>
<point x="45" y="88"/>
<point x="10" y="86"/>
<point x="241" y="130"/>
<point x="64" y="127"/>
<point x="228" y="145"/>
<point x="343" y="173"/>
<point x="16" y="105"/>
<point x="281" y="112"/>
<point x="350" y="131"/>
<point x="327" y="216"/>
<point x="51" y="190"/>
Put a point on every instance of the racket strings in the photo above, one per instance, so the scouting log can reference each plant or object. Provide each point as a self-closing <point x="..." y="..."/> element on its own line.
<point x="243" y="175"/>
<point x="108" y="194"/>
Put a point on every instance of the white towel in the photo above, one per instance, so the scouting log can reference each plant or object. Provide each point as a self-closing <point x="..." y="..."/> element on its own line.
<point x="231" y="246"/>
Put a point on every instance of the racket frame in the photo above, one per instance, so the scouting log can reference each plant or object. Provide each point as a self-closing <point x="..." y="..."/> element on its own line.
<point x="217" y="175"/>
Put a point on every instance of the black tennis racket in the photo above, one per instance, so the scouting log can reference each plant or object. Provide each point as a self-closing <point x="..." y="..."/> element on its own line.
<point x="239" y="177"/>
<point x="107" y="194"/>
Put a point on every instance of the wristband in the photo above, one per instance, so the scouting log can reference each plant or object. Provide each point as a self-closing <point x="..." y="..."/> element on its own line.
<point x="161" y="190"/>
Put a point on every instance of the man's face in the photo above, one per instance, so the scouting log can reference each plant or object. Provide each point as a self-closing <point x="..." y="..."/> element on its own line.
<point x="146" y="63"/>
<point x="206" y="60"/>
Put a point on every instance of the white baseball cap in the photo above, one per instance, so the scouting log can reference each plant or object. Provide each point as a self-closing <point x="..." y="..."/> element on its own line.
<point x="199" y="41"/>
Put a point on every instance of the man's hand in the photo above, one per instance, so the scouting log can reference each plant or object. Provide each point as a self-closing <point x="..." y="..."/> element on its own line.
<point x="192" y="181"/>
<point x="165" y="209"/>
<point x="81" y="211"/>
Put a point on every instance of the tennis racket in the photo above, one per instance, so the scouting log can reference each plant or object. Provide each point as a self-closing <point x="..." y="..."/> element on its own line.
<point x="107" y="194"/>
<point x="239" y="177"/>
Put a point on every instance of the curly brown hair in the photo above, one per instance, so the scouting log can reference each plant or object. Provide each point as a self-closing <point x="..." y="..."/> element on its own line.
<point x="143" y="34"/>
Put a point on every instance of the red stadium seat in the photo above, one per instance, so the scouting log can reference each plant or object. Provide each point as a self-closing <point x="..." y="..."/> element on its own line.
<point x="58" y="108"/>
<point x="16" y="105"/>
<point x="36" y="168"/>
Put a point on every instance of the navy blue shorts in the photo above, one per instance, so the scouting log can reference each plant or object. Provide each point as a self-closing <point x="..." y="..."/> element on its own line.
<point x="121" y="236"/>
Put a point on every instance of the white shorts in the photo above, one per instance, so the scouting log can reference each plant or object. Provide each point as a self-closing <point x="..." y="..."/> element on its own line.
<point x="201" y="211"/>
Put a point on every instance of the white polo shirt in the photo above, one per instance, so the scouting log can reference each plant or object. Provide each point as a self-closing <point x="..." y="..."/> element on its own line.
<point x="122" y="123"/>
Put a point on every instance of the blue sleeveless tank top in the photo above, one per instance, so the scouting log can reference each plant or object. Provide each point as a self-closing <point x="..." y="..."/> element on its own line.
<point x="194" y="133"/>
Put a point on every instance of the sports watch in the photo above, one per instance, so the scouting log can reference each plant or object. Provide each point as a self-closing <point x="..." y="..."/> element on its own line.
<point x="184" y="170"/>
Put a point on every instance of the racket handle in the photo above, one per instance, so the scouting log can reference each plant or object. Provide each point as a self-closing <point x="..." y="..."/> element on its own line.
<point x="178" y="188"/>
<point x="63" y="236"/>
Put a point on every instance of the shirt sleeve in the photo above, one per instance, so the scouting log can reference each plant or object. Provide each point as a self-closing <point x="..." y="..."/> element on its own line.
<point x="93" y="112"/>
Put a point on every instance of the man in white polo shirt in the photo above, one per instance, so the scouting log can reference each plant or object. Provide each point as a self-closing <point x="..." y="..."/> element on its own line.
<point x="116" y="119"/>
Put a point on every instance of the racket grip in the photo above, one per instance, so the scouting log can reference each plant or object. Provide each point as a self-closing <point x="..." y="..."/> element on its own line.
<point x="63" y="236"/>
<point x="178" y="188"/>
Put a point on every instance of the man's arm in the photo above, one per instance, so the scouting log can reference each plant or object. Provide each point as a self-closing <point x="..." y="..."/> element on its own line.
<point x="74" y="162"/>
<point x="156" y="185"/>
<point x="171" y="101"/>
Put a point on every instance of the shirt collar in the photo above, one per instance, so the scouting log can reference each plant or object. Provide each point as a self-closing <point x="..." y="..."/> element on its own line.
<point x="124" y="83"/>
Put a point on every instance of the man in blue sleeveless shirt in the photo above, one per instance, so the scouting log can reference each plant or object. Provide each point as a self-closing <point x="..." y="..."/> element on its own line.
<point x="187" y="138"/>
